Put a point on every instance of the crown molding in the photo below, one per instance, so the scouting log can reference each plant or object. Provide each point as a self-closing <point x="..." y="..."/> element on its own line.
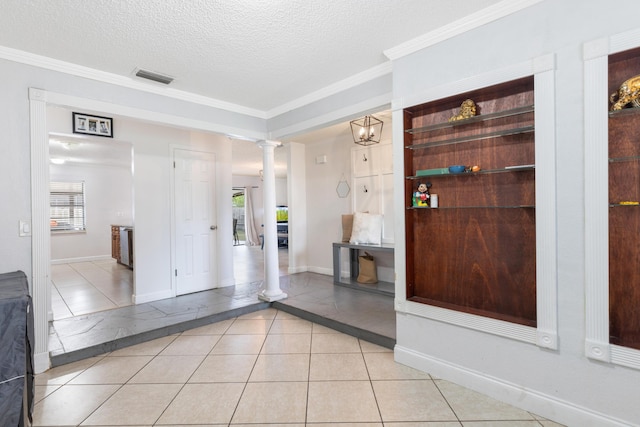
<point x="105" y="77"/>
<point x="475" y="20"/>
<point x="342" y="85"/>
<point x="336" y="116"/>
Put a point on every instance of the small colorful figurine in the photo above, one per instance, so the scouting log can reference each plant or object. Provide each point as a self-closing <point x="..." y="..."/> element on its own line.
<point x="421" y="198"/>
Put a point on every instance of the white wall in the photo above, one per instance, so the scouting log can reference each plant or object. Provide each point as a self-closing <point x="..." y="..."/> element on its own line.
<point x="561" y="384"/>
<point x="108" y="198"/>
<point x="150" y="210"/>
<point x="324" y="207"/>
<point x="297" y="202"/>
<point x="15" y="80"/>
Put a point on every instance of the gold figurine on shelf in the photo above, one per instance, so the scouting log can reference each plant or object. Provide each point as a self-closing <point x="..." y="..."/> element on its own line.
<point x="629" y="92"/>
<point x="467" y="110"/>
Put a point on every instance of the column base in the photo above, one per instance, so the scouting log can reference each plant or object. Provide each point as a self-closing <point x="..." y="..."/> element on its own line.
<point x="271" y="298"/>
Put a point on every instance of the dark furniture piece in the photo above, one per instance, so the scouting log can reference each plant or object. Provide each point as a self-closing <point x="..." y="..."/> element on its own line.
<point x="476" y="252"/>
<point x="283" y="234"/>
<point x="122" y="244"/>
<point x="16" y="357"/>
<point x="381" y="287"/>
<point x="624" y="210"/>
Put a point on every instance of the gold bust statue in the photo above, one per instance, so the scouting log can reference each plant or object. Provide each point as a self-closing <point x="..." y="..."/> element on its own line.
<point x="629" y="92"/>
<point x="467" y="109"/>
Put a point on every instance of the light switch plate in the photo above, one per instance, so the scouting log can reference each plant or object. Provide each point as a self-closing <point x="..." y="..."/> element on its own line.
<point x="25" y="228"/>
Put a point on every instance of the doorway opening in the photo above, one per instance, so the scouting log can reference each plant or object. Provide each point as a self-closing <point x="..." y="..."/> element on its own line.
<point x="239" y="215"/>
<point x="91" y="202"/>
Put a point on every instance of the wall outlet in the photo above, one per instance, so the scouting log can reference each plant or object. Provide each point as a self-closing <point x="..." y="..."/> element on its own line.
<point x="25" y="228"/>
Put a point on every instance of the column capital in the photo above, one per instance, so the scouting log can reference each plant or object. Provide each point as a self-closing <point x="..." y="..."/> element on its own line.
<point x="268" y="143"/>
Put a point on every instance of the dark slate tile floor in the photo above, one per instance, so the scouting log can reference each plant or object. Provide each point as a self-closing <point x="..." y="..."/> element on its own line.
<point x="310" y="296"/>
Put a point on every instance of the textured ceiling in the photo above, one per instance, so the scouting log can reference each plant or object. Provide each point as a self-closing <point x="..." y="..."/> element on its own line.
<point x="258" y="54"/>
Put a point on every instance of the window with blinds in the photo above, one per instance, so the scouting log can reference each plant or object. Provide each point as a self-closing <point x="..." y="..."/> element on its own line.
<point x="67" y="206"/>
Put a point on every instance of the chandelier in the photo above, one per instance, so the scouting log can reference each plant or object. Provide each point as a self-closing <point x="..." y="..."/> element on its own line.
<point x="366" y="131"/>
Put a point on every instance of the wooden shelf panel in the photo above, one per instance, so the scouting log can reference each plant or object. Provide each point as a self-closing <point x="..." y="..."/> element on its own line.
<point x="477" y="207"/>
<point x="624" y="220"/>
<point x="624" y="270"/>
<point x="476" y="252"/>
<point x="489" y="190"/>
<point x="479" y="118"/>
<point x="519" y="168"/>
<point x="490" y="154"/>
<point x="476" y="137"/>
<point x="476" y="260"/>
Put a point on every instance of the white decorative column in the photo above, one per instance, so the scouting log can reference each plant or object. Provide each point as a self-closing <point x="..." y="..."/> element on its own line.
<point x="40" y="229"/>
<point x="271" y="291"/>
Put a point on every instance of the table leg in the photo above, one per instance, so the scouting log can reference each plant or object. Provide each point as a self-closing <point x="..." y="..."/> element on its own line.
<point x="336" y="264"/>
<point x="354" y="266"/>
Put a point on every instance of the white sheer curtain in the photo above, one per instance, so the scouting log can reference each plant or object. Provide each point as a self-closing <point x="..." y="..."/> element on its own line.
<point x="253" y="237"/>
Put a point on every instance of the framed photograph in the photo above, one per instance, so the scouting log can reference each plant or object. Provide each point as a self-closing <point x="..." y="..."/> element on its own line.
<point x="92" y="125"/>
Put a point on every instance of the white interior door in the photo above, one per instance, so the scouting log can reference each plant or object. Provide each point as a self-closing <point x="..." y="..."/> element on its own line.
<point x="195" y="221"/>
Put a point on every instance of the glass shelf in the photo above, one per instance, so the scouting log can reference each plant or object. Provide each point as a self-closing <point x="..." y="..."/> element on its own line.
<point x="624" y="112"/>
<point x="624" y="205"/>
<point x="459" y="140"/>
<point x="472" y="207"/>
<point x="518" y="168"/>
<point x="623" y="159"/>
<point x="474" y="119"/>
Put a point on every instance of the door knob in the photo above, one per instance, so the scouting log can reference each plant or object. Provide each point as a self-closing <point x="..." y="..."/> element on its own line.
<point x="213" y="227"/>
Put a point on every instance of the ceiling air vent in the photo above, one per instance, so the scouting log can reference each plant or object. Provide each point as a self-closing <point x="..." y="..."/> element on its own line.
<point x="150" y="75"/>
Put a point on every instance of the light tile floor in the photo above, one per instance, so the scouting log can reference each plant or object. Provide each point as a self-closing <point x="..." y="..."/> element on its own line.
<point x="80" y="288"/>
<point x="265" y="368"/>
<point x="87" y="287"/>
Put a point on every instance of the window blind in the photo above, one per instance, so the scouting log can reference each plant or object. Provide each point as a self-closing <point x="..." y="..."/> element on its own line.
<point x="67" y="209"/>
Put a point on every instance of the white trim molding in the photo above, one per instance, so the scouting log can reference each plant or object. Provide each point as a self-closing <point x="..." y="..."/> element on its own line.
<point x="546" y="333"/>
<point x="468" y="23"/>
<point x="514" y="394"/>
<point x="40" y="284"/>
<point x="345" y="84"/>
<point x="596" y="178"/>
<point x="128" y="82"/>
<point x="333" y="117"/>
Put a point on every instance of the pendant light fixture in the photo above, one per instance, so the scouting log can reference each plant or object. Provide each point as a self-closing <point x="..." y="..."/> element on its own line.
<point x="366" y="130"/>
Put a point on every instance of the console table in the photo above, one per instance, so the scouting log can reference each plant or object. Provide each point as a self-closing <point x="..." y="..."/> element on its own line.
<point x="381" y="287"/>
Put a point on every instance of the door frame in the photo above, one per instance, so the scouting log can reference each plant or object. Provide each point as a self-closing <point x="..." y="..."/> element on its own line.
<point x="174" y="264"/>
<point x="39" y="281"/>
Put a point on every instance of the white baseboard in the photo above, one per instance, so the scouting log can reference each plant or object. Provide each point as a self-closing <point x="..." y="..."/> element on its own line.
<point x="41" y="362"/>
<point x="227" y="282"/>
<point x="294" y="270"/>
<point x="82" y="259"/>
<point x="153" y="296"/>
<point x="530" y="400"/>
<point x="321" y="270"/>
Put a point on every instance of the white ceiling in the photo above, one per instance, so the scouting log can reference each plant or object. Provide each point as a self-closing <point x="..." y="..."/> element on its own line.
<point x="257" y="54"/>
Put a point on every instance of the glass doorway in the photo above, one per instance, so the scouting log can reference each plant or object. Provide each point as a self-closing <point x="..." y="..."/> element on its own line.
<point x="239" y="231"/>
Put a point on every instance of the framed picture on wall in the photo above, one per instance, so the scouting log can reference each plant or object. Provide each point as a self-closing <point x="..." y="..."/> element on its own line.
<point x="92" y="125"/>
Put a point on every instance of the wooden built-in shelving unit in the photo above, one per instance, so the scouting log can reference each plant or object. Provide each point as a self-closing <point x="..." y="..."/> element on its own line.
<point x="476" y="252"/>
<point x="624" y="219"/>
